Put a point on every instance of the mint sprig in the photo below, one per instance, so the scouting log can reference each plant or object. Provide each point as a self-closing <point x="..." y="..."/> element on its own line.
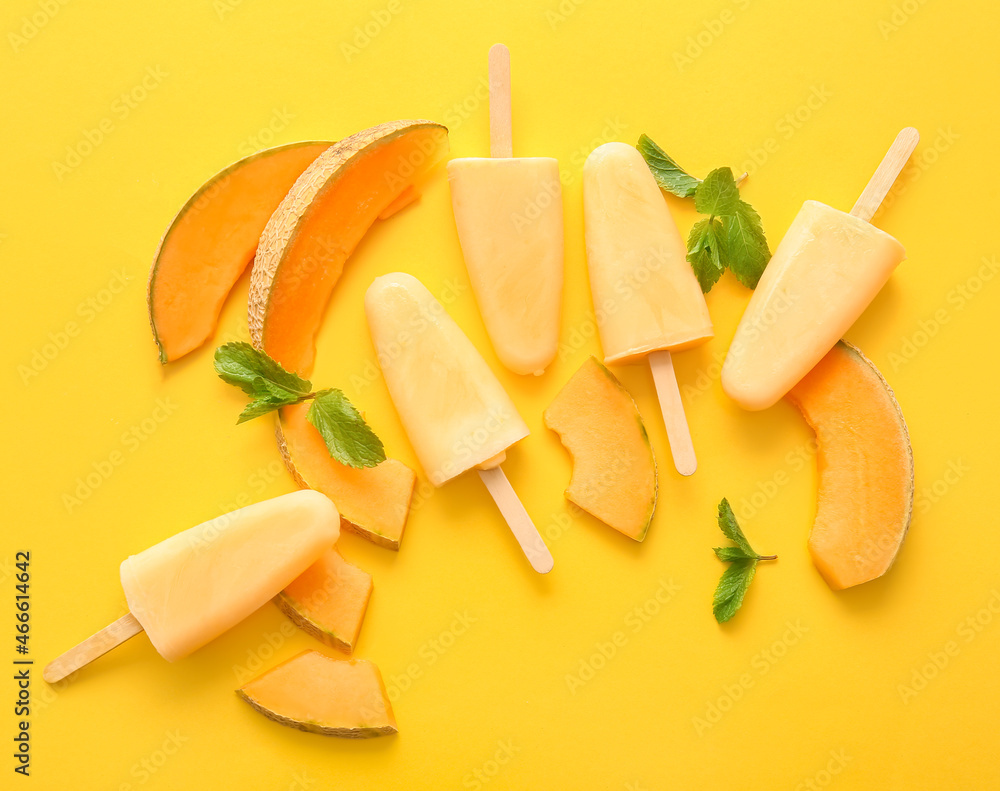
<point x="349" y="439"/>
<point x="742" y="561"/>
<point x="732" y="237"/>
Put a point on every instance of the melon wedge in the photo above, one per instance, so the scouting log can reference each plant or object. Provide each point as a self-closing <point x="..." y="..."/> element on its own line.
<point x="614" y="471"/>
<point x="326" y="213"/>
<point x="328" y="600"/>
<point x="865" y="464"/>
<point x="211" y="241"/>
<point x="373" y="501"/>
<point x="316" y="693"/>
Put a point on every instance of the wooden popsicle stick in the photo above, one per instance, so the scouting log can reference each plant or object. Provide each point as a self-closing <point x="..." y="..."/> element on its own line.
<point x="517" y="518"/>
<point x="678" y="433"/>
<point x="94" y="646"/>
<point x="501" y="144"/>
<point x="886" y="174"/>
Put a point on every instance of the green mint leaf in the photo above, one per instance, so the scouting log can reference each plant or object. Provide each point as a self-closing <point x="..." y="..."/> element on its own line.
<point x="260" y="406"/>
<point x="668" y="174"/>
<point x="731" y="529"/>
<point x="746" y="246"/>
<point x="732" y="588"/>
<point x="705" y="252"/>
<point x="717" y="195"/>
<point x="255" y="373"/>
<point x="348" y="438"/>
<point x="730" y="554"/>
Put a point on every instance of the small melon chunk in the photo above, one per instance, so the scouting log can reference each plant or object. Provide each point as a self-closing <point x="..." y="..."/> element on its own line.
<point x="211" y="242"/>
<point x="865" y="464"/>
<point x="328" y="600"/>
<point x="373" y="501"/>
<point x="316" y="693"/>
<point x="614" y="472"/>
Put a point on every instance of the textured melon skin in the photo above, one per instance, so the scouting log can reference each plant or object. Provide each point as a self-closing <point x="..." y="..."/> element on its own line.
<point x="865" y="464"/>
<point x="305" y="692"/>
<point x="171" y="348"/>
<point x="614" y="470"/>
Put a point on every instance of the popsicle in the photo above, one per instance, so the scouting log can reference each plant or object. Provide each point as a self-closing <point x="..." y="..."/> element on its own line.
<point x="824" y="273"/>
<point x="193" y="586"/>
<point x="454" y="410"/>
<point x="508" y="212"/>
<point x="646" y="298"/>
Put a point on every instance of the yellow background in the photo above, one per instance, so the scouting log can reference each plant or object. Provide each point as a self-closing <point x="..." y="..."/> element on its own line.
<point x="810" y="96"/>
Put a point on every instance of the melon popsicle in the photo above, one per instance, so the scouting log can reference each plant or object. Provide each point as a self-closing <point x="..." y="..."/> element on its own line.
<point x="193" y="586"/>
<point x="508" y="212"/>
<point x="454" y="410"/>
<point x="824" y="273"/>
<point x="646" y="298"/>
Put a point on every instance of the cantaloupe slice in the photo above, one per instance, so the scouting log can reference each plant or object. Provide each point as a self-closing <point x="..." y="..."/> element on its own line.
<point x="865" y="465"/>
<point x="212" y="240"/>
<point x="316" y="693"/>
<point x="332" y="205"/>
<point x="328" y="600"/>
<point x="614" y="472"/>
<point x="373" y="501"/>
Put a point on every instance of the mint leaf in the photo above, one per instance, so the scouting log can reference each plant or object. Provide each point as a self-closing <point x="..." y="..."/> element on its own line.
<point x="731" y="529"/>
<point x="736" y="579"/>
<point x="732" y="553"/>
<point x="746" y="245"/>
<point x="668" y="174"/>
<point x="348" y="438"/>
<point x="732" y="588"/>
<point x="717" y="195"/>
<point x="255" y="373"/>
<point x="705" y="252"/>
<point x="261" y="406"/>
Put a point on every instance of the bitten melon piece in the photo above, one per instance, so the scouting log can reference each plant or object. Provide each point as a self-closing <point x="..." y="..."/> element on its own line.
<point x="211" y="241"/>
<point x="329" y="209"/>
<point x="373" y="501"/>
<point x="328" y="600"/>
<point x="614" y="472"/>
<point x="865" y="465"/>
<point x="316" y="693"/>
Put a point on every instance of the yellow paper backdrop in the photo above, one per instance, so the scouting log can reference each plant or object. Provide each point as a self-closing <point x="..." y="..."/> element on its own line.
<point x="610" y="672"/>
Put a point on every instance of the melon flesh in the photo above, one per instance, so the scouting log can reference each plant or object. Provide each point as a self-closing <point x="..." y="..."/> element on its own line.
<point x="325" y="215"/>
<point x="328" y="600"/>
<point x="211" y="242"/>
<point x="614" y="472"/>
<point x="865" y="465"/>
<point x="373" y="501"/>
<point x="316" y="693"/>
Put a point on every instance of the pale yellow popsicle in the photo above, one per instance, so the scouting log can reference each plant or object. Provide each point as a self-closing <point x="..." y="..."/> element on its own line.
<point x="824" y="273"/>
<point x="190" y="588"/>
<point x="646" y="297"/>
<point x="454" y="410"/>
<point x="508" y="212"/>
